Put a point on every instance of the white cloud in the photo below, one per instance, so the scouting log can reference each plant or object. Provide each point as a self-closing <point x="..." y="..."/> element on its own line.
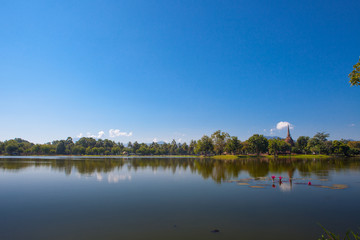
<point x="116" y="133"/>
<point x="99" y="135"/>
<point x="283" y="125"/>
<point x="179" y="140"/>
<point x="155" y="140"/>
<point x="280" y="126"/>
<point x="272" y="131"/>
<point x="80" y="135"/>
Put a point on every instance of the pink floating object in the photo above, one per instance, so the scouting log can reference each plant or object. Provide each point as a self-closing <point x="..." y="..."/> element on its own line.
<point x="309" y="183"/>
<point x="280" y="178"/>
<point x="273" y="177"/>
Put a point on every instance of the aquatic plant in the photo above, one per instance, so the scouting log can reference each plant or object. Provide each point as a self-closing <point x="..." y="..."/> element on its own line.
<point x="349" y="235"/>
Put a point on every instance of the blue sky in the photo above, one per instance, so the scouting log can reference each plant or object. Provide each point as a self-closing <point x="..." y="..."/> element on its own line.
<point x="177" y="69"/>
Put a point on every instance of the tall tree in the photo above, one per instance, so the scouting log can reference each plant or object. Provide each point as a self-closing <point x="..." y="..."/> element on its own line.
<point x="192" y="147"/>
<point x="258" y="144"/>
<point x="340" y="148"/>
<point x="274" y="146"/>
<point x="301" y="143"/>
<point x="204" y="145"/>
<point x="321" y="136"/>
<point x="60" y="147"/>
<point x="219" y="139"/>
<point x="355" y="75"/>
<point x="233" y="145"/>
<point x="319" y="143"/>
<point x="12" y="147"/>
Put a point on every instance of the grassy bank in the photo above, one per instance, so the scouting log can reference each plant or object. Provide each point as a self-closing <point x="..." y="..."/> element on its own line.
<point x="234" y="157"/>
<point x="219" y="157"/>
<point x="300" y="156"/>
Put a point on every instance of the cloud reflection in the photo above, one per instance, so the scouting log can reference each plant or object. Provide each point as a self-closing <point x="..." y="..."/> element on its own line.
<point x="114" y="178"/>
<point x="99" y="177"/>
<point x="285" y="187"/>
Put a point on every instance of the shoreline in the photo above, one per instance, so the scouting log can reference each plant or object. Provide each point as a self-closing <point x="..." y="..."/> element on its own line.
<point x="216" y="157"/>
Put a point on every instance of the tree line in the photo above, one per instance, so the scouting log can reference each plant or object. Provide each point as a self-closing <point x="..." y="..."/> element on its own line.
<point x="217" y="144"/>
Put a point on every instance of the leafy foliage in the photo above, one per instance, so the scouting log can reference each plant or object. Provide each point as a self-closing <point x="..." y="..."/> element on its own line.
<point x="349" y="235"/>
<point x="276" y="145"/>
<point x="258" y="144"/>
<point x="219" y="141"/>
<point x="355" y="75"/>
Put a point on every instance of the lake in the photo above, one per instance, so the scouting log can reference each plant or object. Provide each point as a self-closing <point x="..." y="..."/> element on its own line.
<point x="176" y="198"/>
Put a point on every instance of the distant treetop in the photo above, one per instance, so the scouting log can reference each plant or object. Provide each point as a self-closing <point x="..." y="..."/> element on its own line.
<point x="355" y="75"/>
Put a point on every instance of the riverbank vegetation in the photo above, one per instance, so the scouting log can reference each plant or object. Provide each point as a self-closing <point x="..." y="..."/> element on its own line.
<point x="219" y="145"/>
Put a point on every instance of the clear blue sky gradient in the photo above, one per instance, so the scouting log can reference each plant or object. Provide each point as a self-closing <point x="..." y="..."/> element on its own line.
<point x="177" y="69"/>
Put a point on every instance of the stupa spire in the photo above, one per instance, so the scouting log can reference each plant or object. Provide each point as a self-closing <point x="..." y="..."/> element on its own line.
<point x="288" y="135"/>
<point x="288" y="139"/>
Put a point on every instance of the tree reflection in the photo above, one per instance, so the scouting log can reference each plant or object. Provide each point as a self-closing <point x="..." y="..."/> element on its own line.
<point x="218" y="170"/>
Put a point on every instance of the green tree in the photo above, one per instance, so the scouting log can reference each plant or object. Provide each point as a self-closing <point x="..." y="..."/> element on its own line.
<point x="301" y="143"/>
<point x="60" y="147"/>
<point x="355" y="75"/>
<point x="173" y="147"/>
<point x="184" y="149"/>
<point x="274" y="146"/>
<point x="192" y="147"/>
<point x="78" y="150"/>
<point x="219" y="141"/>
<point x="204" y="146"/>
<point x="11" y="147"/>
<point x="2" y="147"/>
<point x="340" y="148"/>
<point x="245" y="149"/>
<point x="258" y="144"/>
<point x="319" y="143"/>
<point x="277" y="145"/>
<point x="36" y="149"/>
<point x="135" y="146"/>
<point x="233" y="145"/>
<point x="285" y="147"/>
<point x="101" y="150"/>
<point x="116" y="150"/>
<point x="321" y="136"/>
<point x="143" y="150"/>
<point x="69" y="144"/>
<point x="47" y="149"/>
<point x="88" y="151"/>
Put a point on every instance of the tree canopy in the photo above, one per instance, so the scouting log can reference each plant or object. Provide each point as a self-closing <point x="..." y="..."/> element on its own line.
<point x="355" y="75"/>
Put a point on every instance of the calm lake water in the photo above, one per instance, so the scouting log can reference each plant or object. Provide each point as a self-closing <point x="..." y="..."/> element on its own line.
<point x="176" y="198"/>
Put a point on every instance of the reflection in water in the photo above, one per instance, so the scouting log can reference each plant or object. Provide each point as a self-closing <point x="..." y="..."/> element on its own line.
<point x="218" y="170"/>
<point x="110" y="177"/>
<point x="130" y="202"/>
<point x="285" y="187"/>
<point x="114" y="178"/>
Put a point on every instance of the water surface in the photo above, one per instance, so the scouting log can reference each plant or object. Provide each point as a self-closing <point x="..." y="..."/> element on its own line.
<point x="176" y="198"/>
